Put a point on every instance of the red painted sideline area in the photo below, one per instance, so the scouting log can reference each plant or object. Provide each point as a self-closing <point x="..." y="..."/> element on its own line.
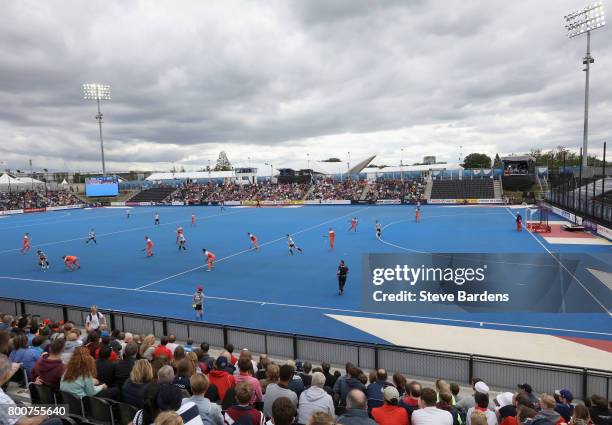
<point x="600" y="344"/>
<point x="556" y="231"/>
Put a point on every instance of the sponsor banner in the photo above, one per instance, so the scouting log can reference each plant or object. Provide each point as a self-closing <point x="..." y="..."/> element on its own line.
<point x="11" y="212"/>
<point x="388" y="202"/>
<point x="442" y="201"/>
<point x="131" y="204"/>
<point x="231" y="203"/>
<point x="470" y="201"/>
<point x="604" y="231"/>
<point x="34" y="210"/>
<point x="562" y="213"/>
<point x="65" y="207"/>
<point x="177" y="203"/>
<point x="271" y="203"/>
<point x="145" y="204"/>
<point x="117" y="204"/>
<point x="489" y="201"/>
<point x="328" y="202"/>
<point x="476" y="283"/>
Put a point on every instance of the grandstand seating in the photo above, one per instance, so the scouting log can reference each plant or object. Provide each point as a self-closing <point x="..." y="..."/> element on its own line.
<point x="463" y="189"/>
<point x="156" y="194"/>
<point x="98" y="410"/>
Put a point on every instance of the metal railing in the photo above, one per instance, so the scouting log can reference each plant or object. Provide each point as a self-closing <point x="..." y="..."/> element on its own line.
<point x="499" y="373"/>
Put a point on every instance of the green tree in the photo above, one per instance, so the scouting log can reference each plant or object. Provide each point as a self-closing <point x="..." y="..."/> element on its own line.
<point x="332" y="160"/>
<point x="477" y="160"/>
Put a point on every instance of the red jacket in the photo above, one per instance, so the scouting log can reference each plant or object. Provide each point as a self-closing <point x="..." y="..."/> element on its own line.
<point x="223" y="380"/>
<point x="390" y="415"/>
<point x="162" y="351"/>
<point x="50" y="371"/>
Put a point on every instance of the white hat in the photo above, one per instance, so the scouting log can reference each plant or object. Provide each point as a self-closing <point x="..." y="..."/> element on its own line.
<point x="481" y="387"/>
<point x="504" y="399"/>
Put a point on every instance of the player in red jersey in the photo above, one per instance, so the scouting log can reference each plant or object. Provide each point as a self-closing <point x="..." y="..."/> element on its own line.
<point x="354" y="223"/>
<point x="25" y="247"/>
<point x="210" y="258"/>
<point x="253" y="239"/>
<point x="71" y="262"/>
<point x="519" y="222"/>
<point x="193" y="219"/>
<point x="332" y="238"/>
<point x="149" y="246"/>
<point x="417" y="214"/>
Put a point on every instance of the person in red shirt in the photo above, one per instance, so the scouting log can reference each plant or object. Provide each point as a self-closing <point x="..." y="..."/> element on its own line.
<point x="221" y="377"/>
<point x="162" y="350"/>
<point x="332" y="238"/>
<point x="519" y="222"/>
<point x="25" y="247"/>
<point x="253" y="239"/>
<point x="417" y="214"/>
<point x="193" y="219"/>
<point x="210" y="258"/>
<point x="390" y="413"/>
<point x="149" y="247"/>
<point x="71" y="262"/>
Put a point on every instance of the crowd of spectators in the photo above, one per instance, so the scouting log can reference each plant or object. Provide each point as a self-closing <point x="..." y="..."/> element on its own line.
<point x="37" y="199"/>
<point x="329" y="189"/>
<point x="172" y="383"/>
<point x="410" y="190"/>
<point x="196" y="193"/>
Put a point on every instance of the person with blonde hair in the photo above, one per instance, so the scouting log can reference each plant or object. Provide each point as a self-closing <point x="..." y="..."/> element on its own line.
<point x="321" y="418"/>
<point x="478" y="418"/>
<point x="133" y="390"/>
<point x="169" y="418"/>
<point x="272" y="371"/>
<point x="580" y="416"/>
<point x="80" y="377"/>
<point x="147" y="347"/>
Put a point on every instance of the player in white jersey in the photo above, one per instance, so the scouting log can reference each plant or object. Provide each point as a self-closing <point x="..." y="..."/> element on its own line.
<point x="292" y="245"/>
<point x="91" y="236"/>
<point x="378" y="229"/>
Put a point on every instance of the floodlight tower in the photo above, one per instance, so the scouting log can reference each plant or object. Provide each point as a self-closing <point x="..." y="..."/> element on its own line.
<point x="584" y="21"/>
<point x="98" y="92"/>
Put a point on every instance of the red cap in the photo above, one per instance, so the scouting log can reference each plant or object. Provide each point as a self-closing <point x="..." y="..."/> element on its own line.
<point x="200" y="288"/>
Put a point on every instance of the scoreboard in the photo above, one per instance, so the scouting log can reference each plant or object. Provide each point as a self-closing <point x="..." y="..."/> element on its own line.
<point x="102" y="186"/>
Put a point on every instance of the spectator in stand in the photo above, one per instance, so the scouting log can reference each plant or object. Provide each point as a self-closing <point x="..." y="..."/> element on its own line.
<point x="304" y="369"/>
<point x="399" y="381"/>
<point x="244" y="394"/>
<point x="172" y="343"/>
<point x="565" y="407"/>
<point x="209" y="412"/>
<point x="189" y="345"/>
<point x="165" y="375"/>
<point x="178" y="355"/>
<point x="412" y="398"/>
<point x="295" y="384"/>
<point x="262" y="365"/>
<point x="181" y="379"/>
<point x="454" y="387"/>
<point x="330" y="379"/>
<point x="24" y="355"/>
<point x="375" y="390"/>
<point x="123" y="368"/>
<point x="272" y="376"/>
<point x="477" y="418"/>
<point x="528" y="391"/>
<point x="133" y="389"/>
<point x="280" y="389"/>
<point x="445" y="402"/>
<point x="283" y="411"/>
<point x="390" y="413"/>
<point x="49" y="369"/>
<point x="147" y="347"/>
<point x="467" y="402"/>
<point x="507" y="403"/>
<point x="162" y="349"/>
<point x="169" y="398"/>
<point x="7" y="370"/>
<point x="80" y="377"/>
<point x="600" y="411"/>
<point x="547" y="414"/>
<point x="105" y="367"/>
<point x="245" y="367"/>
<point x="315" y="399"/>
<point x="320" y="418"/>
<point x="482" y="405"/>
<point x="351" y="383"/>
<point x="428" y="413"/>
<point x="356" y="410"/>
<point x="580" y="416"/>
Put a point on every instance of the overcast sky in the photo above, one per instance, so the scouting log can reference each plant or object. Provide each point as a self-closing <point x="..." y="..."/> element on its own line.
<point x="274" y="81"/>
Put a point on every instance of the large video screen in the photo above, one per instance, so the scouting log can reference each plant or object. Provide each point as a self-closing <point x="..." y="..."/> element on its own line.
<point x="102" y="186"/>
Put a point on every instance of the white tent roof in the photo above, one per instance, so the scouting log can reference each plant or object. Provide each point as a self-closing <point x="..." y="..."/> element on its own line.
<point x="408" y="168"/>
<point x="29" y="180"/>
<point x="64" y="182"/>
<point x="195" y="175"/>
<point x="6" y="179"/>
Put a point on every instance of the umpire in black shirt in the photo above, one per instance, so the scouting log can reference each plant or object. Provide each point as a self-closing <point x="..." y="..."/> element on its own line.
<point x="342" y="274"/>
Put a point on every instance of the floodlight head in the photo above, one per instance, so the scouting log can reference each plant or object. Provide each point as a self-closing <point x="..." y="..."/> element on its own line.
<point x="588" y="19"/>
<point x="96" y="91"/>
